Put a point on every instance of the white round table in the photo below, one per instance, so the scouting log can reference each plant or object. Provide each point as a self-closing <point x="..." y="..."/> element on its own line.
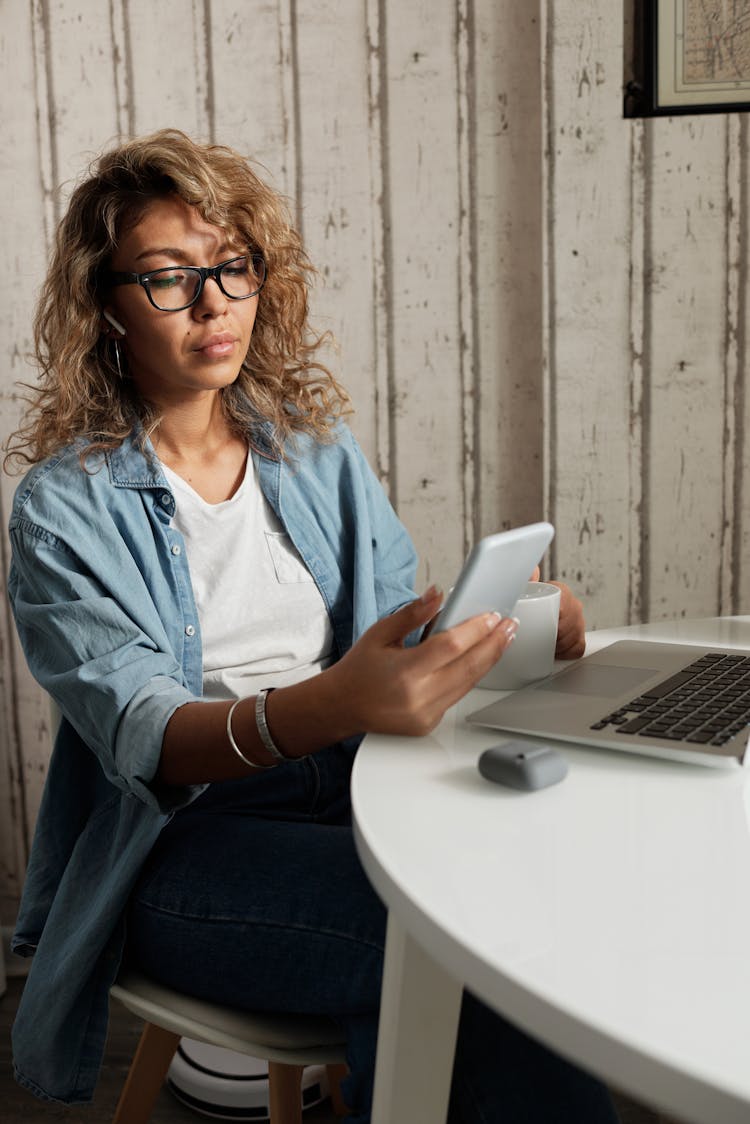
<point x="609" y="915"/>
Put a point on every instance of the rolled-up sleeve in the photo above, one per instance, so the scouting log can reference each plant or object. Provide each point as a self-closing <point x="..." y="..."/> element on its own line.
<point x="111" y="672"/>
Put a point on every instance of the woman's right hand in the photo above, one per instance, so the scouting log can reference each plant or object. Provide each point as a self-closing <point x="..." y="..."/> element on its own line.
<point x="379" y="686"/>
<point x="384" y="687"/>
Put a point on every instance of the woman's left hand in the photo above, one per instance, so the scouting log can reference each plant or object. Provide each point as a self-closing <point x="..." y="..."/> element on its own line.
<point x="571" y="628"/>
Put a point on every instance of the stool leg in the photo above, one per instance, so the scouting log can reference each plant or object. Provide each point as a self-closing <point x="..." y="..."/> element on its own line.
<point x="336" y="1074"/>
<point x="148" y="1069"/>
<point x="285" y="1093"/>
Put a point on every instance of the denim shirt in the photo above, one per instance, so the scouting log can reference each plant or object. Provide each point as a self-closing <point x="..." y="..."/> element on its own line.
<point x="101" y="593"/>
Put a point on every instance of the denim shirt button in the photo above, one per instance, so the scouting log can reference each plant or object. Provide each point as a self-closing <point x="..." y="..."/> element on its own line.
<point x="190" y="630"/>
<point x="176" y="549"/>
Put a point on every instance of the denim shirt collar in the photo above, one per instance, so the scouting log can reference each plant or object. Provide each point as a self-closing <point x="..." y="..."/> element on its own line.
<point x="135" y="464"/>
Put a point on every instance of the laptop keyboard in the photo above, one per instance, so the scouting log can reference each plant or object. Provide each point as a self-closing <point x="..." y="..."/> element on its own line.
<point x="708" y="702"/>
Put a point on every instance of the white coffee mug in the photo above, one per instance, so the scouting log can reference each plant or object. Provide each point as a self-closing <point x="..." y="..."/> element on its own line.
<point x="531" y="655"/>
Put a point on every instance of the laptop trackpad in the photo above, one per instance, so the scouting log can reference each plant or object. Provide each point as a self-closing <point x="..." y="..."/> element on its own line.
<point x="588" y="678"/>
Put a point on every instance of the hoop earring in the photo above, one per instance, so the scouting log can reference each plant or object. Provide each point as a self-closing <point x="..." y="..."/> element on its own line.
<point x="117" y="358"/>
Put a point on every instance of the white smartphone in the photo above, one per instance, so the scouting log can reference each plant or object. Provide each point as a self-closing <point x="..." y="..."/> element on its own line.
<point x="495" y="574"/>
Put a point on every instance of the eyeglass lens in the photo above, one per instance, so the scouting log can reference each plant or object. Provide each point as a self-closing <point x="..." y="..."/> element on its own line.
<point x="177" y="286"/>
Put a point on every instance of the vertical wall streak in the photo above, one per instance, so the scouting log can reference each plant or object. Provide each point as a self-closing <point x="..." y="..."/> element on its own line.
<point x="296" y="116"/>
<point x="732" y="301"/>
<point x="45" y="115"/>
<point x="467" y="268"/>
<point x="202" y="67"/>
<point x="289" y="105"/>
<point x="122" y="67"/>
<point x="636" y="318"/>
<point x="387" y="236"/>
<point x="380" y="274"/>
<point x="740" y="389"/>
<point x="209" y="54"/>
<point x="549" y="372"/>
<point x="130" y="83"/>
<point x="648" y="284"/>
<point x="473" y="202"/>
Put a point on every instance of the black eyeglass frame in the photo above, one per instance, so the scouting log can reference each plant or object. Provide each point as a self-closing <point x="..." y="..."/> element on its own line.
<point x="114" y="278"/>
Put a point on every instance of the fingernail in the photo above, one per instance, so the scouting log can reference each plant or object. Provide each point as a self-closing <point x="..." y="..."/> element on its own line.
<point x="510" y="627"/>
<point x="492" y="620"/>
<point x="431" y="593"/>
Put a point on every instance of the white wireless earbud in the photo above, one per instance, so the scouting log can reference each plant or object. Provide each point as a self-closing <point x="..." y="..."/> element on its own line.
<point x="115" y="323"/>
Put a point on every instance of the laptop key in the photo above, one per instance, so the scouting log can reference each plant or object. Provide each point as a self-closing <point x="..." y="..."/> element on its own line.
<point x="633" y="726"/>
<point x="667" y="685"/>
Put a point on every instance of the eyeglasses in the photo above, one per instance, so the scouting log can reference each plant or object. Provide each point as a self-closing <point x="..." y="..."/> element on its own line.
<point x="179" y="286"/>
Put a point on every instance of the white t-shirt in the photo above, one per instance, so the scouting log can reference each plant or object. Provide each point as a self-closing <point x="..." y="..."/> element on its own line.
<point x="263" y="620"/>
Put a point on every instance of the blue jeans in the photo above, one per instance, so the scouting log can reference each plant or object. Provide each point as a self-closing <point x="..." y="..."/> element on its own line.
<point x="254" y="896"/>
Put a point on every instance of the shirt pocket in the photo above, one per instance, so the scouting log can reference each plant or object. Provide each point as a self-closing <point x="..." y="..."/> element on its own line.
<point x="287" y="564"/>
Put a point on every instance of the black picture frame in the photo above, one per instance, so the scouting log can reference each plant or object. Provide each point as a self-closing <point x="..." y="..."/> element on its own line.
<point x="675" y="70"/>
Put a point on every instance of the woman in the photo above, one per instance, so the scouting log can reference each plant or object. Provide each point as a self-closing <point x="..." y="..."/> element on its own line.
<point x="209" y="581"/>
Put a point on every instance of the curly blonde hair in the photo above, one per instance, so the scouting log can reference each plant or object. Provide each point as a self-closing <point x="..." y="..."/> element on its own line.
<point x="80" y="393"/>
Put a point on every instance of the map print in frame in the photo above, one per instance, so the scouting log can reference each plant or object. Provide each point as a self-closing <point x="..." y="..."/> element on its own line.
<point x="703" y="54"/>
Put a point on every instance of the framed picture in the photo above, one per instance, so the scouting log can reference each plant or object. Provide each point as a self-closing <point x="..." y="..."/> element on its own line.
<point x="689" y="56"/>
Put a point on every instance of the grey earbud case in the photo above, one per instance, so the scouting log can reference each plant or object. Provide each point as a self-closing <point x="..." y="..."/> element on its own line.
<point x="523" y="764"/>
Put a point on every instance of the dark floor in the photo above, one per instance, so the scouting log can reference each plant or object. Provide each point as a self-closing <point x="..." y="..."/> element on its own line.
<point x="19" y="1107"/>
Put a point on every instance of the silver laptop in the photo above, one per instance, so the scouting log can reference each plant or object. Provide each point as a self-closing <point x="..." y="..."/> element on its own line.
<point x="681" y="701"/>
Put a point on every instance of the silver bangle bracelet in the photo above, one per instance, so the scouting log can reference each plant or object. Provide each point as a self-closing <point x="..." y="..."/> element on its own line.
<point x="233" y="743"/>
<point x="262" y="724"/>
